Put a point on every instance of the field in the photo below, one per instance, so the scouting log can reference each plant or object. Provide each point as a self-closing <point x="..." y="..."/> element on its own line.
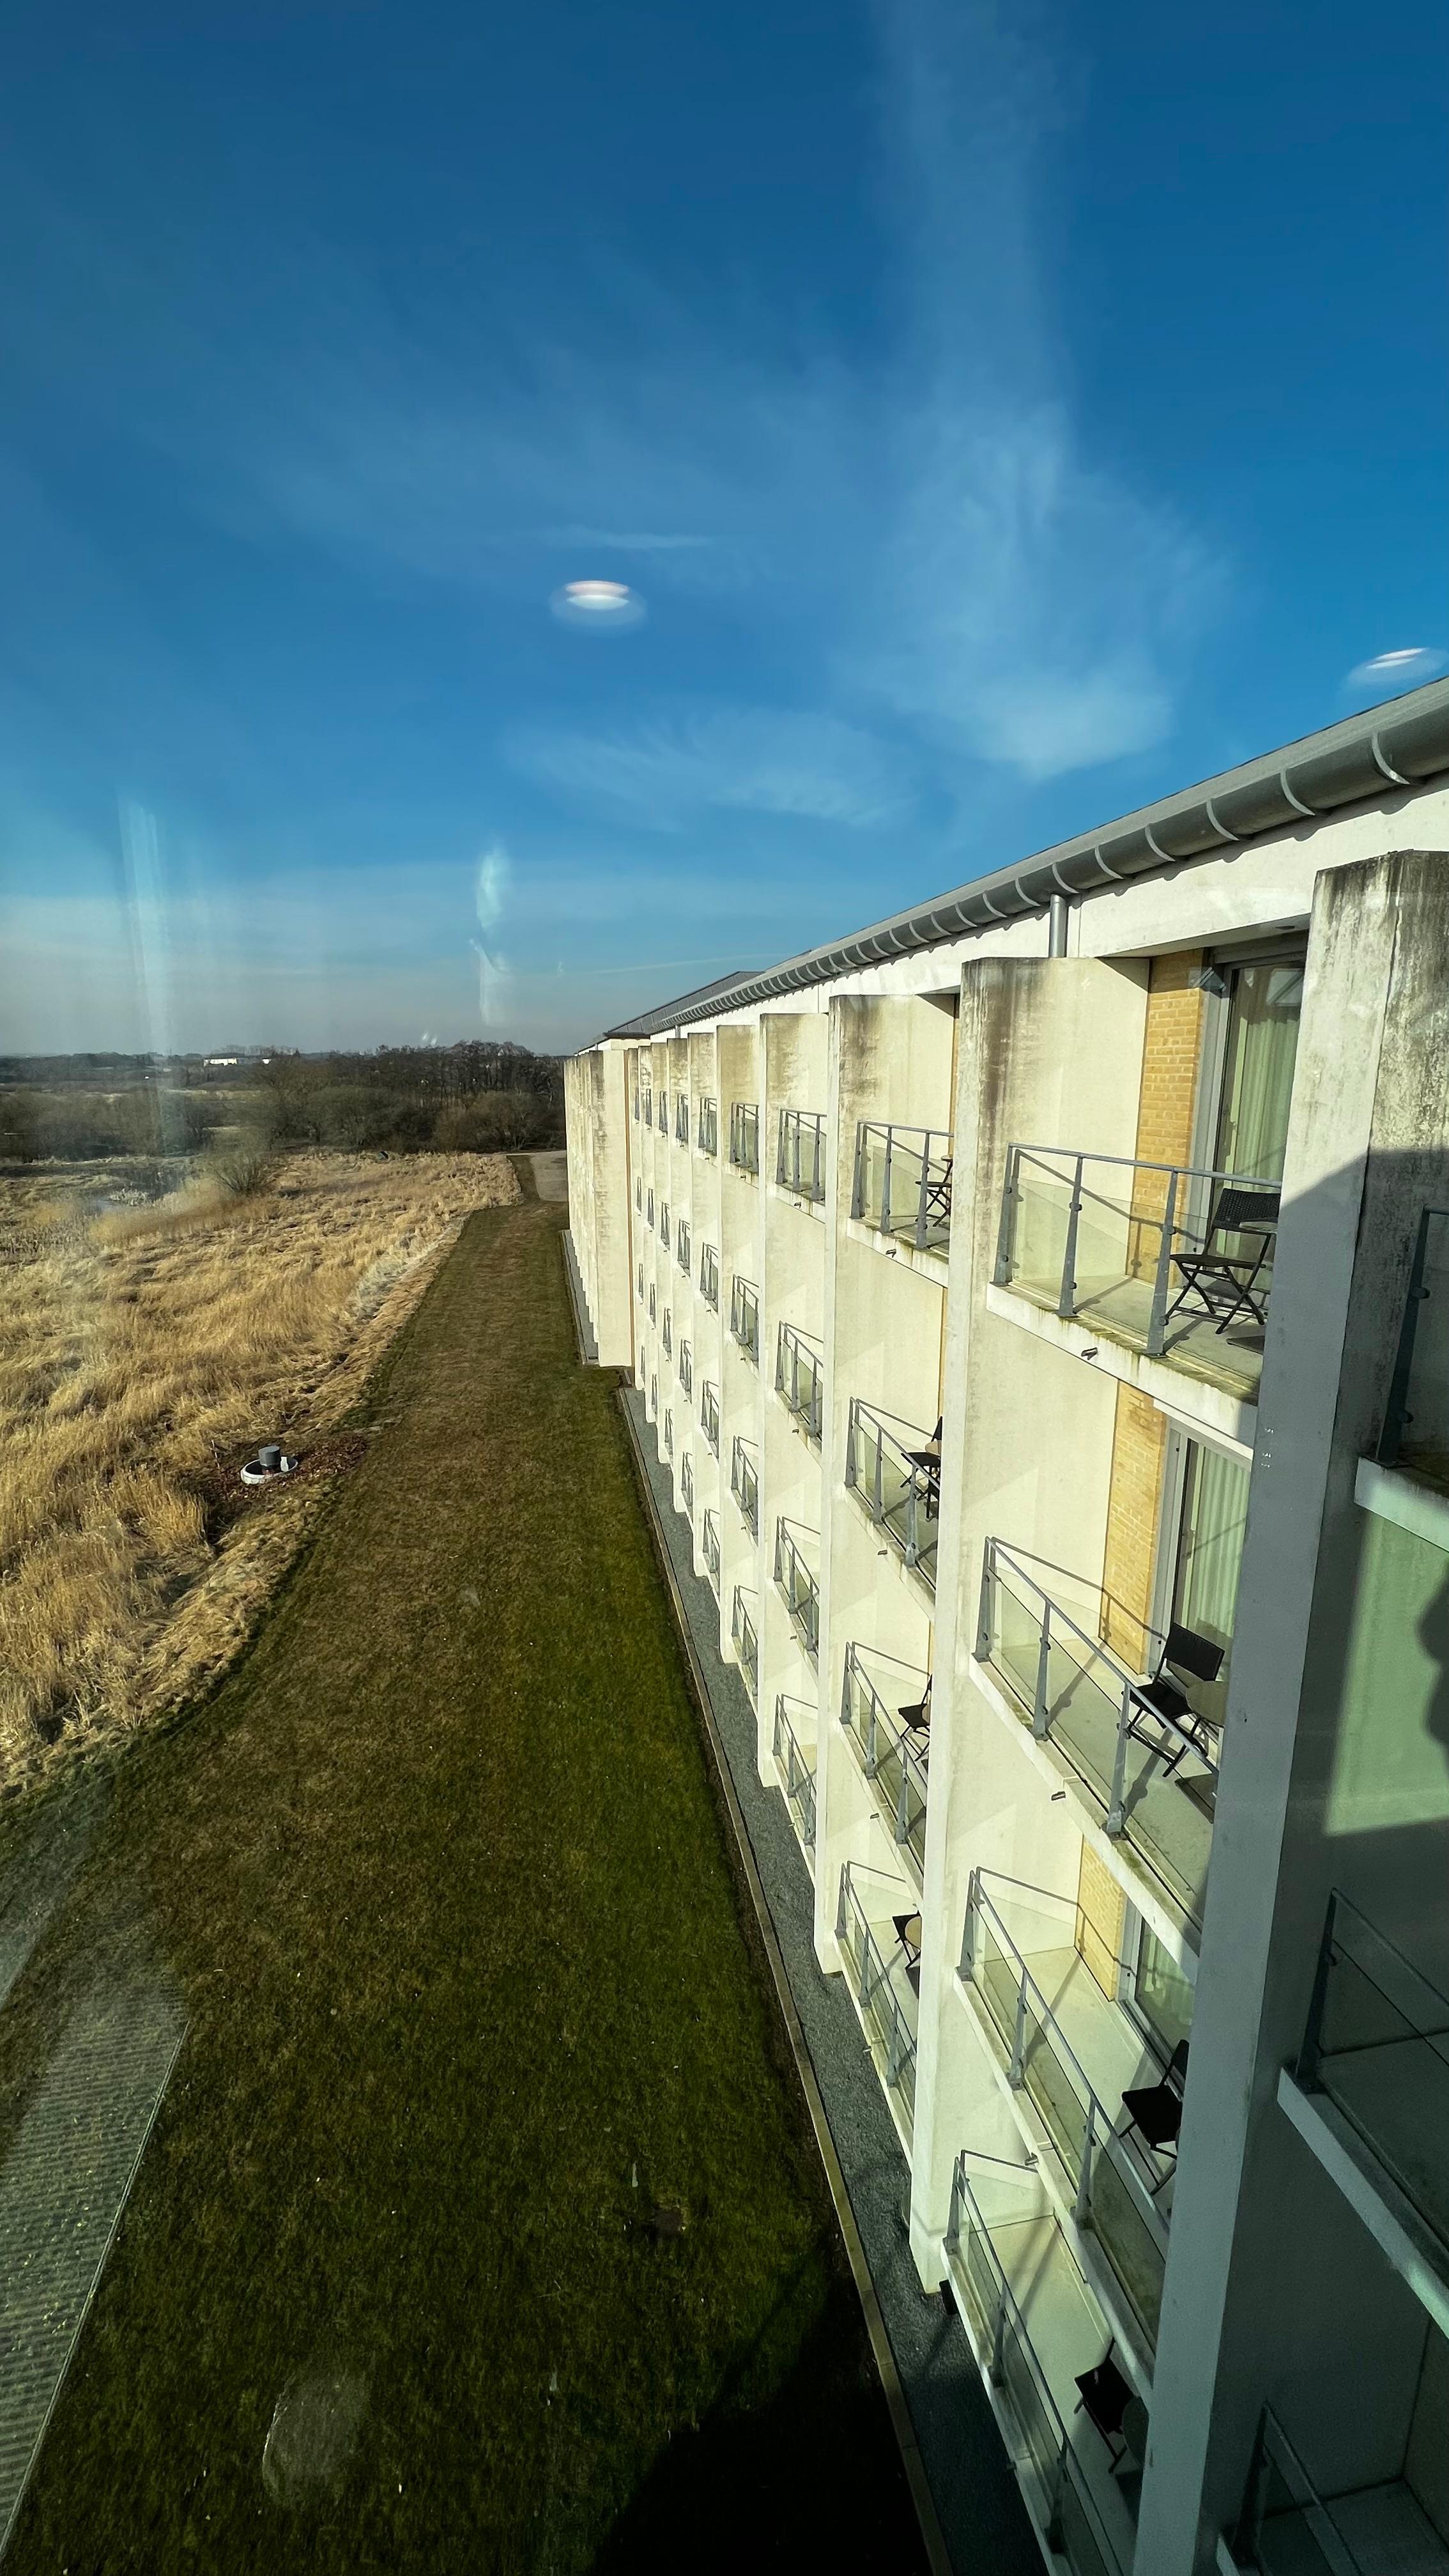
<point x="146" y="1347"/>
<point x="484" y="2153"/>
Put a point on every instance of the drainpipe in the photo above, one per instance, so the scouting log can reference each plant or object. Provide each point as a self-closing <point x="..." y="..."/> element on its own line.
<point x="1057" y="926"/>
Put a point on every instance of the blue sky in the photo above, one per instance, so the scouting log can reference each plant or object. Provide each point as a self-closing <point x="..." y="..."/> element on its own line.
<point x="1005" y="414"/>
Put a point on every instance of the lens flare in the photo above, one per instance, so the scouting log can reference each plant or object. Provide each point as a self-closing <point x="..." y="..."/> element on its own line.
<point x="603" y="607"/>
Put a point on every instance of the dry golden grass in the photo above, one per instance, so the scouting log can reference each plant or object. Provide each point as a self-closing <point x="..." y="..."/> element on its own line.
<point x="141" y="1353"/>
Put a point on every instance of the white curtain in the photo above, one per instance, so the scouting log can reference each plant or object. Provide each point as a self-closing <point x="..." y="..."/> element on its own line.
<point x="1258" y="1075"/>
<point x="1214" y="1517"/>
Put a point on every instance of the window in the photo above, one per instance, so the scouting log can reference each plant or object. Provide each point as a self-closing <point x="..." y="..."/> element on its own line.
<point x="1265" y="1002"/>
<point x="1209" y="1553"/>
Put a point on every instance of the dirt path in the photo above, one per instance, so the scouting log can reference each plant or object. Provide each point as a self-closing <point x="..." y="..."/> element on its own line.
<point x="478" y="2229"/>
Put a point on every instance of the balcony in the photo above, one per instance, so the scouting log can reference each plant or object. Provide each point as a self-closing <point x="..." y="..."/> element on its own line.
<point x="1140" y="1253"/>
<point x="800" y="1380"/>
<point x="745" y="1485"/>
<point x="686" y="1486"/>
<point x="664" y="1223"/>
<point x="653" y="1303"/>
<point x="745" y="1136"/>
<point x="709" y="1275"/>
<point x="709" y="1533"/>
<point x="745" y="1317"/>
<point x="1374" y="2068"/>
<point x="686" y="1369"/>
<point x="667" y="1332"/>
<point x="649" y="1211"/>
<point x="898" y="1483"/>
<point x="1415" y="1435"/>
<point x="798" y="1584"/>
<point x="681" y="1245"/>
<point x="795" y="1761"/>
<point x="681" y="1118"/>
<point x="903" y="1183"/>
<point x="707" y="1127"/>
<point x="881" y="1973"/>
<point x="646" y="1098"/>
<point x="1035" y="2328"/>
<point x="891" y="1743"/>
<point x="709" y="1413"/>
<point x="662" y="1113"/>
<point x="1152" y="1782"/>
<point x="800" y="1155"/>
<point x="745" y="1637"/>
<point x="1288" y="2528"/>
<point x="668" y="1433"/>
<point x="1069" y="2054"/>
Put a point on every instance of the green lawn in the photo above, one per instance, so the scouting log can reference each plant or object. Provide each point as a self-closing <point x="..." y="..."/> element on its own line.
<point x="440" y="1874"/>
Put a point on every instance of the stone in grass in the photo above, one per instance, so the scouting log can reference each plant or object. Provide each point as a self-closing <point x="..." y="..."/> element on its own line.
<point x="312" y="2436"/>
<point x="665" y="2219"/>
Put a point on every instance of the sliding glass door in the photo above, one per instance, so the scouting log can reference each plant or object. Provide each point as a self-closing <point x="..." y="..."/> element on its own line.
<point x="1209" y="1554"/>
<point x="1264" y="1005"/>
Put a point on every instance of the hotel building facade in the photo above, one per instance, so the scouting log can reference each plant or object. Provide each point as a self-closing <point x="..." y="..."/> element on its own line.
<point x="1041" y="1301"/>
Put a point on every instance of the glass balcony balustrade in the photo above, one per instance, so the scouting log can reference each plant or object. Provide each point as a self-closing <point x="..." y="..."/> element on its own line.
<point x="667" y="1333"/>
<point x="686" y="1486"/>
<point x="646" y="1104"/>
<point x="884" y="1709"/>
<point x="800" y="1380"/>
<point x="709" y="1274"/>
<point x="745" y="1135"/>
<point x="893" y="1468"/>
<point x="668" y="1433"/>
<point x="745" y="1484"/>
<point x="1288" y="2527"/>
<point x="745" y="1316"/>
<point x="879" y="1973"/>
<point x="1034" y="2327"/>
<point x="664" y="1223"/>
<point x="1174" y="1261"/>
<point x="1376" y="2047"/>
<point x="649" y="1211"/>
<point x="681" y="1245"/>
<point x="1024" y="1997"/>
<point x="1152" y="1780"/>
<point x="800" y="1154"/>
<point x="796" y="1765"/>
<point x="709" y="1414"/>
<point x="746" y="1641"/>
<point x="798" y="1584"/>
<point x="707" y="1128"/>
<point x="709" y="1532"/>
<point x="653" y="1303"/>
<point x="686" y="1369"/>
<point x="662" y="1113"/>
<point x="681" y="1118"/>
<point x="1416" y="1421"/>
<point x="903" y="1183"/>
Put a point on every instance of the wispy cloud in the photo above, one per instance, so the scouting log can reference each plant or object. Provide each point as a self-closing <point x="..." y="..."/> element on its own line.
<point x="665" y="774"/>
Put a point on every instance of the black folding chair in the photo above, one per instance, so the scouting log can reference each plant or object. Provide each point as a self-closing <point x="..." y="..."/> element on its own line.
<point x="907" y="1929"/>
<point x="1185" y="1652"/>
<point x="938" y="1194"/>
<point x="1225" y="1284"/>
<point x="1104" y="2397"/>
<point x="1155" y="2110"/>
<point x="916" y="1717"/>
<point x="926" y="1464"/>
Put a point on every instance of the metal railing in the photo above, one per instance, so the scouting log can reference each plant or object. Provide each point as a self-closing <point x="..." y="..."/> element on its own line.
<point x="899" y="1493"/>
<point x="664" y="1223"/>
<point x="667" y="1332"/>
<point x="668" y="1433"/>
<point x="653" y="1303"/>
<point x="800" y="1154"/>
<point x="681" y="1245"/>
<point x="1070" y="1684"/>
<point x="903" y="1182"/>
<point x="745" y="1484"/>
<point x="647" y="1101"/>
<point x="681" y="1118"/>
<point x="800" y="1379"/>
<point x="745" y="1316"/>
<point x="892" y="2040"/>
<point x="639" y="1283"/>
<point x="1416" y="1417"/>
<point x="1056" y="1225"/>
<point x="686" y="1485"/>
<point x="707" y="1127"/>
<point x="653" y="1399"/>
<point x="649" y="1211"/>
<point x="799" y="1587"/>
<point x="746" y="1643"/>
<point x="639" y="1192"/>
<point x="1282" y="2502"/>
<point x="745" y="1135"/>
<point x="686" y="1368"/>
<point x="636" y="1100"/>
<point x="1066" y="2507"/>
<point x="798" y="1773"/>
<point x="895" y="1764"/>
<point x="1111" y="2198"/>
<point x="709" y="1413"/>
<point x="709" y="1532"/>
<point x="662" y="1112"/>
<point x="709" y="1274"/>
<point x="1377" y="2044"/>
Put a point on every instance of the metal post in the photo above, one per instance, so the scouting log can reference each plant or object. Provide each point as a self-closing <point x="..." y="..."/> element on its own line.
<point x="1018" y="2045"/>
<point x="921" y="1193"/>
<point x="1115" y="1816"/>
<point x="998" y="2337"/>
<point x="968" y="1929"/>
<point x="1311" y="2050"/>
<point x="1039" y="1722"/>
<point x="983" y="1621"/>
<point x="1157" y="1321"/>
<point x="857" y="1186"/>
<point x="885" y="1200"/>
<point x="1083" y="2201"/>
<point x="1396" y="1412"/>
<point x="1009" y="1191"/>
<point x="1067" y="1297"/>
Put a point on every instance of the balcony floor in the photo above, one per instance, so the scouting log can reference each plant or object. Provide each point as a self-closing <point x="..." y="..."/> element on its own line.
<point x="1111" y="2052"/>
<point x="1167" y="1818"/>
<point x="1385" y="2527"/>
<point x="1068" y="2336"/>
<point x="1395" y="2096"/>
<point x="1121" y="1309"/>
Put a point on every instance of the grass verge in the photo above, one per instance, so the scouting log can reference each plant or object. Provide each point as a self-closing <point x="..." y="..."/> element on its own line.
<point x="441" y="1879"/>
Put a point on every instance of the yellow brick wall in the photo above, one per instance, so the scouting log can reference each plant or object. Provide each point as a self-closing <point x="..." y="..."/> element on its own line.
<point x="1171" y="1053"/>
<point x="1134" y="1505"/>
<point x="1101" y="1907"/>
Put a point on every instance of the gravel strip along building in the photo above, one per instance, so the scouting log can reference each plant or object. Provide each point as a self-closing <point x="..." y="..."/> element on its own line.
<point x="1041" y="1302"/>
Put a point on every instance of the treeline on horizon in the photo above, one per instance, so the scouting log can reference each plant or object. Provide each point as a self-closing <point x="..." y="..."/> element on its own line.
<point x="482" y="1096"/>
